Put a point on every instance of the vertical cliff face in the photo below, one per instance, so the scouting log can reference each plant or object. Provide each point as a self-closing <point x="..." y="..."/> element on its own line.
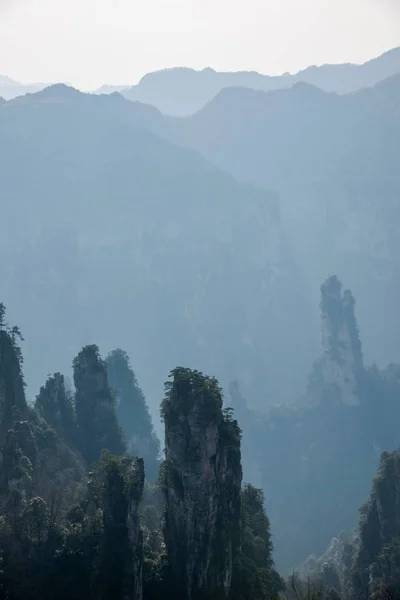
<point x="202" y="481"/>
<point x="122" y="483"/>
<point x="55" y="406"/>
<point x="342" y="364"/>
<point x="377" y="564"/>
<point x="134" y="530"/>
<point x="95" y="407"/>
<point x="16" y="442"/>
<point x="12" y="396"/>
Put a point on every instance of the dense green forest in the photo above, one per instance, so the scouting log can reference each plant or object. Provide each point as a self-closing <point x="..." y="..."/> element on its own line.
<point x="80" y="515"/>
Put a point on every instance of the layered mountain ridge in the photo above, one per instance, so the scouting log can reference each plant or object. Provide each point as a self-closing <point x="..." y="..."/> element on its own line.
<point x="182" y="91"/>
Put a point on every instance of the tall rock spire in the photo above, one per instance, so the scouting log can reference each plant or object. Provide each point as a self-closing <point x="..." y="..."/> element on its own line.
<point x="121" y="554"/>
<point x="202" y="482"/>
<point x="342" y="363"/>
<point x="98" y="427"/>
<point x="12" y="395"/>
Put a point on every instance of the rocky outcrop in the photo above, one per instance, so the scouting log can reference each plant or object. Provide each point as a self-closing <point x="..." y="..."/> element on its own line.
<point x="55" y="406"/>
<point x="16" y="439"/>
<point x="334" y="568"/>
<point x="133" y="524"/>
<point x="12" y="396"/>
<point x="97" y="424"/>
<point x="342" y="364"/>
<point x="133" y="412"/>
<point x="202" y="477"/>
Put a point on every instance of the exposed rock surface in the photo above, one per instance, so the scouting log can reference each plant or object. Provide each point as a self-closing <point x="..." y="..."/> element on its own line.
<point x="123" y="491"/>
<point x="94" y="403"/>
<point x="377" y="562"/>
<point x="55" y="406"/>
<point x="12" y="395"/>
<point x="365" y="563"/>
<point x="202" y="477"/>
<point x="333" y="568"/>
<point x="342" y="366"/>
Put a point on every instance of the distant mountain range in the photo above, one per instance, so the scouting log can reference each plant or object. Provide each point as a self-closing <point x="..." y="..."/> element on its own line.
<point x="182" y="91"/>
<point x="10" y="89"/>
<point x="297" y="136"/>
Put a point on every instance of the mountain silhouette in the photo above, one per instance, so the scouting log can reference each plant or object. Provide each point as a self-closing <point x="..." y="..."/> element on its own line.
<point x="182" y="91"/>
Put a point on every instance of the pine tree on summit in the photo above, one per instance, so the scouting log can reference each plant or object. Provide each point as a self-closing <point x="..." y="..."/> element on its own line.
<point x="97" y="423"/>
<point x="133" y="412"/>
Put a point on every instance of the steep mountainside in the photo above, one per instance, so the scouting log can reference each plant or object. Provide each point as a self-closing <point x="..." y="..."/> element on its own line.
<point x="181" y="91"/>
<point x="106" y="228"/>
<point x="376" y="567"/>
<point x="300" y="135"/>
<point x="365" y="562"/>
<point x="335" y="162"/>
<point x="202" y="467"/>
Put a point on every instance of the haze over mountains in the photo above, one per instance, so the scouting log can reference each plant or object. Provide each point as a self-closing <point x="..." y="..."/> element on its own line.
<point x="331" y="158"/>
<point x="139" y="243"/>
<point x="203" y="241"/>
<point x="11" y="89"/>
<point x="183" y="91"/>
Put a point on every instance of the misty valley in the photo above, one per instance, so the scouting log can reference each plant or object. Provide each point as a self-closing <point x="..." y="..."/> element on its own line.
<point x="199" y="337"/>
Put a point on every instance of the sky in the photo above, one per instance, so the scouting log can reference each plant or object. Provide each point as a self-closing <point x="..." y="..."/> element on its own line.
<point x="88" y="43"/>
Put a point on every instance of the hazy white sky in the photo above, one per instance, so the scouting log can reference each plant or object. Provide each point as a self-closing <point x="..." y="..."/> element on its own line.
<point x="90" y="42"/>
